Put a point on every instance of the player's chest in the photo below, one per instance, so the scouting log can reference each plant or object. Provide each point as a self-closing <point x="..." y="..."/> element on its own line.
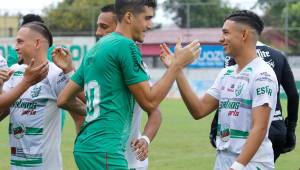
<point x="236" y="86"/>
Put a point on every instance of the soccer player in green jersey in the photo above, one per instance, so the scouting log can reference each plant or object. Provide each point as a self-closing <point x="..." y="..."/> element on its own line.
<point x="137" y="159"/>
<point x="113" y="76"/>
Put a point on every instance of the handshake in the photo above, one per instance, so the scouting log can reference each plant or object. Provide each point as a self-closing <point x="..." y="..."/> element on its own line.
<point x="182" y="55"/>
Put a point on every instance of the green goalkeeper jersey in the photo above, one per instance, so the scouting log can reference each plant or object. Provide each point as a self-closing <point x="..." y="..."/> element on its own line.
<point x="105" y="73"/>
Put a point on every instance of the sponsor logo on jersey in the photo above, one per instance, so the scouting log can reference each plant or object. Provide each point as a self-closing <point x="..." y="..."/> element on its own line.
<point x="233" y="113"/>
<point x="229" y="105"/>
<point x="25" y="104"/>
<point x="62" y="77"/>
<point x="18" y="73"/>
<point x="225" y="133"/>
<point x="264" y="79"/>
<point x="248" y="70"/>
<point x="266" y="74"/>
<point x="239" y="89"/>
<point x="229" y="72"/>
<point x="245" y="78"/>
<point x="262" y="54"/>
<point x="28" y="112"/>
<point x="264" y="90"/>
<point x="231" y="89"/>
<point x="18" y="131"/>
<point x="35" y="92"/>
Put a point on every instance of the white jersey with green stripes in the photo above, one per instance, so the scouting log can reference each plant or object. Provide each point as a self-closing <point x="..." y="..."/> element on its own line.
<point x="35" y="122"/>
<point x="238" y="93"/>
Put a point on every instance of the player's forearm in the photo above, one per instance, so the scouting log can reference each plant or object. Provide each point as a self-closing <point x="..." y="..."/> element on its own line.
<point x="160" y="89"/>
<point x="68" y="93"/>
<point x="3" y="113"/>
<point x="190" y="99"/>
<point x="255" y="138"/>
<point x="153" y="124"/>
<point x="10" y="97"/>
<point x="75" y="105"/>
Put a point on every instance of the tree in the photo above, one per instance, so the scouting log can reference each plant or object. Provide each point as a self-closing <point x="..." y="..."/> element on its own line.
<point x="202" y="13"/>
<point x="74" y="17"/>
<point x="294" y="24"/>
<point x="275" y="16"/>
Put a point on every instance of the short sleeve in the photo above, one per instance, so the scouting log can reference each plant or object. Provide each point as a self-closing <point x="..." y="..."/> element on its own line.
<point x="264" y="90"/>
<point x="131" y="63"/>
<point x="215" y="89"/>
<point x="78" y="76"/>
<point x="60" y="82"/>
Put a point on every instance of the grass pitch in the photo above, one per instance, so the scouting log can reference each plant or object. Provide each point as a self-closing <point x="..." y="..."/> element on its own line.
<point x="182" y="143"/>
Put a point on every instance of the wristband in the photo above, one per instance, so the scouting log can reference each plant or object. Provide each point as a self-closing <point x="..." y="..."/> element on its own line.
<point x="69" y="75"/>
<point x="146" y="139"/>
<point x="237" y="166"/>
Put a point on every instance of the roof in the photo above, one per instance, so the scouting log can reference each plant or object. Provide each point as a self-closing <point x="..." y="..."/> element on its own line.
<point x="170" y="35"/>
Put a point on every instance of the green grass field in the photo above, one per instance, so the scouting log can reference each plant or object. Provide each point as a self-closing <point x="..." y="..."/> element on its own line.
<point x="182" y="143"/>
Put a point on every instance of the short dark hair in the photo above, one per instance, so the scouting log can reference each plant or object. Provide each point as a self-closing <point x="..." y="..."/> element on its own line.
<point x="108" y="8"/>
<point x="134" y="6"/>
<point x="42" y="29"/>
<point x="247" y="17"/>
<point x="30" y="18"/>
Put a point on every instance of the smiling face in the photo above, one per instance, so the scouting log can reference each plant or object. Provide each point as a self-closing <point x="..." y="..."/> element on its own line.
<point x="142" y="23"/>
<point x="232" y="37"/>
<point x="25" y="44"/>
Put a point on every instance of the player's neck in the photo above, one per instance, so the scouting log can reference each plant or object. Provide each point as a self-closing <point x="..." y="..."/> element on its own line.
<point x="40" y="59"/>
<point x="124" y="30"/>
<point x="245" y="57"/>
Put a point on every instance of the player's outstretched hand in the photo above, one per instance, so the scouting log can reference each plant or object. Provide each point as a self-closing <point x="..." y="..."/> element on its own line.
<point x="166" y="56"/>
<point x="62" y="58"/>
<point x="186" y="55"/>
<point x="34" y="75"/>
<point x="140" y="147"/>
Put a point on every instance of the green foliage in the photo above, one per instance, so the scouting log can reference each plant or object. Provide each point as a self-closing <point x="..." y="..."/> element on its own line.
<point x="294" y="23"/>
<point x="275" y="15"/>
<point x="203" y="13"/>
<point x="74" y="17"/>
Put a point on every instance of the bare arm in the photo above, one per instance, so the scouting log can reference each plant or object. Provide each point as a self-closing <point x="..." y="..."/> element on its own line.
<point x="260" y="117"/>
<point x="150" y="97"/>
<point x="153" y="124"/>
<point x="198" y="107"/>
<point x="67" y="98"/>
<point x="3" y="114"/>
<point x="150" y="130"/>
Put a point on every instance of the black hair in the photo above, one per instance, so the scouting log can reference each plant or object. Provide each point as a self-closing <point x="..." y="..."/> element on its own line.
<point x="42" y="29"/>
<point x="108" y="8"/>
<point x="30" y="18"/>
<point x="134" y="6"/>
<point x="247" y="17"/>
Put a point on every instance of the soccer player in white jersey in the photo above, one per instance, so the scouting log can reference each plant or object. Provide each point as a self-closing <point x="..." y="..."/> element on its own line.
<point x="35" y="122"/>
<point x="245" y="95"/>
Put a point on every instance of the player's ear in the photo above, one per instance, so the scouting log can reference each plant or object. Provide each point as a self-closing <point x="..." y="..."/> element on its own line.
<point x="128" y="17"/>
